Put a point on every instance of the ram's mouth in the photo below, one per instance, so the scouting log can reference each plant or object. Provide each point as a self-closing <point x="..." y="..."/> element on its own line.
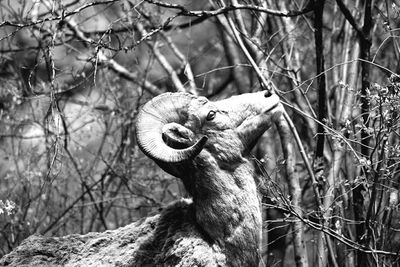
<point x="271" y="108"/>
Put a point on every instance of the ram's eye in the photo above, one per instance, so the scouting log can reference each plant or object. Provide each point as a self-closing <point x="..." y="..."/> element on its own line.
<point x="211" y="115"/>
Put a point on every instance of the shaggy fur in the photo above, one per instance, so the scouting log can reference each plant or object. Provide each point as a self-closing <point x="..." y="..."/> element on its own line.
<point x="168" y="239"/>
<point x="220" y="179"/>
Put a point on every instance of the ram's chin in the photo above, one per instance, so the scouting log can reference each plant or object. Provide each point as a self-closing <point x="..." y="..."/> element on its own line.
<point x="276" y="112"/>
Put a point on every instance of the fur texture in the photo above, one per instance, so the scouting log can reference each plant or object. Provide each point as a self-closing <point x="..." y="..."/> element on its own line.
<point x="220" y="178"/>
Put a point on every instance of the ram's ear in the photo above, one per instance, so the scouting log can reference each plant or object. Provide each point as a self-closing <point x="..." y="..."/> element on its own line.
<point x="177" y="136"/>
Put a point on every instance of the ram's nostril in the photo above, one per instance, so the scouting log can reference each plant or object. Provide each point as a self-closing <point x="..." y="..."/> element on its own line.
<point x="268" y="93"/>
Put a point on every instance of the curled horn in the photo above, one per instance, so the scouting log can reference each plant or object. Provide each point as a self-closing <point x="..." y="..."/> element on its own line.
<point x="156" y="113"/>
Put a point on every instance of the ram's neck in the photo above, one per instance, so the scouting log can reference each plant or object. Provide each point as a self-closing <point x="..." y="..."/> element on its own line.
<point x="228" y="209"/>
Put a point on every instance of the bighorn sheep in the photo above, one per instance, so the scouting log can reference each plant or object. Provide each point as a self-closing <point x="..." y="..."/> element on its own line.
<point x="206" y="144"/>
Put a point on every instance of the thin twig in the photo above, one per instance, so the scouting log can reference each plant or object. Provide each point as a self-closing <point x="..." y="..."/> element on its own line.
<point x="60" y="17"/>
<point x="223" y="10"/>
<point x="268" y="86"/>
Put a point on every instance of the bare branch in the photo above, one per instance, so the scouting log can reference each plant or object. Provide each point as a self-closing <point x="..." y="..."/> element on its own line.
<point x="349" y="17"/>
<point x="163" y="61"/>
<point x="185" y="64"/>
<point x="126" y="74"/>
<point x="111" y="63"/>
<point x="60" y="17"/>
<point x="209" y="13"/>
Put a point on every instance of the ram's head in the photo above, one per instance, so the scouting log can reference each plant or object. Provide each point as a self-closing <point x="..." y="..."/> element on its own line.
<point x="174" y="128"/>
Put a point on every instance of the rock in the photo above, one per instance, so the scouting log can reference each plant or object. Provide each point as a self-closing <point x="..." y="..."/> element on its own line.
<point x="168" y="239"/>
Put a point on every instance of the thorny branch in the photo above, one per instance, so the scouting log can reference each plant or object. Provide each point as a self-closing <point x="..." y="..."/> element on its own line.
<point x="223" y="10"/>
<point x="60" y="17"/>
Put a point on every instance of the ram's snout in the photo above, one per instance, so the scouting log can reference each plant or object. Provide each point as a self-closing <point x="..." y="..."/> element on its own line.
<point x="259" y="103"/>
<point x="271" y="102"/>
<point x="262" y="109"/>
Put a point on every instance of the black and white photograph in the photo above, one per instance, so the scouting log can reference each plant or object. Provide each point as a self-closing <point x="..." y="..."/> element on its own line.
<point x="208" y="133"/>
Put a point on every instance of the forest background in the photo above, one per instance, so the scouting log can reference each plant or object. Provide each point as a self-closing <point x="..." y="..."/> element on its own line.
<point x="74" y="73"/>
